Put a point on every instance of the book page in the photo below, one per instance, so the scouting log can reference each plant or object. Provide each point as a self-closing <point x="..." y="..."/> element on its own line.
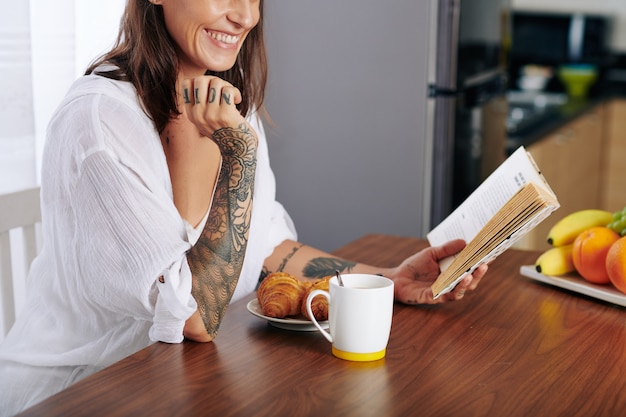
<point x="474" y="213"/>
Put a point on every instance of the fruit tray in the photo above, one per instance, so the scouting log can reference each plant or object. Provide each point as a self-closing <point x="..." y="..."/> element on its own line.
<point x="578" y="285"/>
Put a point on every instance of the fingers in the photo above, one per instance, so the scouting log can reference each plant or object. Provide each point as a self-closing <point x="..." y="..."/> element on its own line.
<point x="210" y="91"/>
<point x="409" y="290"/>
<point x="461" y="288"/>
<point x="447" y="249"/>
<point x="210" y="103"/>
<point x="469" y="283"/>
<point x="478" y="275"/>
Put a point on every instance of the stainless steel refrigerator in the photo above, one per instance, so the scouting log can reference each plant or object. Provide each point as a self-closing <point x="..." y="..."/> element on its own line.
<point x="377" y="106"/>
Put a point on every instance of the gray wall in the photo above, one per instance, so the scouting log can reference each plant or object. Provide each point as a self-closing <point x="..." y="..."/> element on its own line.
<point x="347" y="95"/>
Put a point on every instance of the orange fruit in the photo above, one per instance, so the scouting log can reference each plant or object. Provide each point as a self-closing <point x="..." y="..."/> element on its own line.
<point x="589" y="253"/>
<point x="616" y="264"/>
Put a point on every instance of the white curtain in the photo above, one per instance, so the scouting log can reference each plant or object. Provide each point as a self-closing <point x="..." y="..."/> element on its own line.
<point x="44" y="47"/>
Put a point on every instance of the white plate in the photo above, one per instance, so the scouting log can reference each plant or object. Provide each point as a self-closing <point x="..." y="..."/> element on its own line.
<point x="574" y="283"/>
<point x="287" y="323"/>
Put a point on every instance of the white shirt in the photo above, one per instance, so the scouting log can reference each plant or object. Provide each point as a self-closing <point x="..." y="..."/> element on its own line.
<point x="110" y="229"/>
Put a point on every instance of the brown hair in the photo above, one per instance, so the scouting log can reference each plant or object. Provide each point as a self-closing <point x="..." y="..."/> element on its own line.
<point x="145" y="55"/>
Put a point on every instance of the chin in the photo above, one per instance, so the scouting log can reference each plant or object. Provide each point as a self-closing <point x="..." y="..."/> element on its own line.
<point x="219" y="62"/>
<point x="220" y="68"/>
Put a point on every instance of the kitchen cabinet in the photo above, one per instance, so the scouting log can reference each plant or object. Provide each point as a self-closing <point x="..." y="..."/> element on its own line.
<point x="571" y="160"/>
<point x="614" y="8"/>
<point x="614" y="189"/>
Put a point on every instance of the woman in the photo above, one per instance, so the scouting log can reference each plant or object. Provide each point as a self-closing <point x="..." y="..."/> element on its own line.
<point x="158" y="201"/>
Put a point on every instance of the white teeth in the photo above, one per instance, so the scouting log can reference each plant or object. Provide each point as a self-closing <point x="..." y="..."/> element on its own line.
<point x="221" y="37"/>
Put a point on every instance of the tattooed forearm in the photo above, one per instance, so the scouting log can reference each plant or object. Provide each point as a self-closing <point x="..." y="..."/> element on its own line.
<point x="323" y="267"/>
<point x="282" y="265"/>
<point x="265" y="272"/>
<point x="217" y="258"/>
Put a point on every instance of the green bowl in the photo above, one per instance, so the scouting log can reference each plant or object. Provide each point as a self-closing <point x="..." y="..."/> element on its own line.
<point x="578" y="78"/>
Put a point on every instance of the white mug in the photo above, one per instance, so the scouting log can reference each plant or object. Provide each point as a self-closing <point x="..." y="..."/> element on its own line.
<point x="359" y="316"/>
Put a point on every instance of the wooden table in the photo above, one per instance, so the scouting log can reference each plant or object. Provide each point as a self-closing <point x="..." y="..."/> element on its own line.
<point x="514" y="347"/>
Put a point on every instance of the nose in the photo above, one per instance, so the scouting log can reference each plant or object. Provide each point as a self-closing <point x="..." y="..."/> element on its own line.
<point x="244" y="13"/>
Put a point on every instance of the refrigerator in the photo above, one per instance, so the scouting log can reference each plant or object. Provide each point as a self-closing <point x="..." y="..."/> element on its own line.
<point x="382" y="113"/>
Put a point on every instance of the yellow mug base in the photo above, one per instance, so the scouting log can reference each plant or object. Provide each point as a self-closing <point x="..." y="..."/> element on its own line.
<point x="359" y="357"/>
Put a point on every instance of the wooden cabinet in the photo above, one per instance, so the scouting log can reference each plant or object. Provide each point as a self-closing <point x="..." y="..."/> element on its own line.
<point x="614" y="186"/>
<point x="571" y="160"/>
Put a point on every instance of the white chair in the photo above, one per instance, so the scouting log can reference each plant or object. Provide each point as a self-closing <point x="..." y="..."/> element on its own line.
<point x="19" y="213"/>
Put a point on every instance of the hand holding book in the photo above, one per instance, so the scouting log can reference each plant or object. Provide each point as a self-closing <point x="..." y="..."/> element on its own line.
<point x="508" y="204"/>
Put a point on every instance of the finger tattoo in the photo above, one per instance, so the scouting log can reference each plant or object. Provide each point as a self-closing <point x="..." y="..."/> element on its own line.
<point x="186" y="96"/>
<point x="212" y="95"/>
<point x="226" y="98"/>
<point x="196" y="91"/>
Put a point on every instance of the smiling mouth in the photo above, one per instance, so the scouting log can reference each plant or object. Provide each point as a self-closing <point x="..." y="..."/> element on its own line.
<point x="224" y="38"/>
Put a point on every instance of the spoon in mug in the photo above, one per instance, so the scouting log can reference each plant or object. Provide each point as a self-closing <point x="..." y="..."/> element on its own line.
<point x="339" y="278"/>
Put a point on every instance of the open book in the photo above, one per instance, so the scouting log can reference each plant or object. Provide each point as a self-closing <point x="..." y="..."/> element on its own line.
<point x="508" y="204"/>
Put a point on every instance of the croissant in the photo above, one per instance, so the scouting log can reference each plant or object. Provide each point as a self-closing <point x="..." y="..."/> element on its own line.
<point x="319" y="304"/>
<point x="280" y="295"/>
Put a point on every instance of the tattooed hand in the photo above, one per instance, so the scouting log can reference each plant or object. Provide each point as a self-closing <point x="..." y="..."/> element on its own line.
<point x="210" y="103"/>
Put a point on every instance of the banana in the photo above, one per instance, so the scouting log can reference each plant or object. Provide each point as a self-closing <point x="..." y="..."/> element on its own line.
<point x="569" y="227"/>
<point x="556" y="261"/>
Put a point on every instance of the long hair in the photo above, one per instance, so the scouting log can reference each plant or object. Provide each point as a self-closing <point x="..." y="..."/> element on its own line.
<point x="145" y="55"/>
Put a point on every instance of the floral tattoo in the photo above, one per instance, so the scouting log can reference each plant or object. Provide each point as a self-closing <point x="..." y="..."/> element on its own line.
<point x="217" y="258"/>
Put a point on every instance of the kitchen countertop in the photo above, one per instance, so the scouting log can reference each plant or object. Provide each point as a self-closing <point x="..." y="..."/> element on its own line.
<point x="557" y="118"/>
<point x="561" y="115"/>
